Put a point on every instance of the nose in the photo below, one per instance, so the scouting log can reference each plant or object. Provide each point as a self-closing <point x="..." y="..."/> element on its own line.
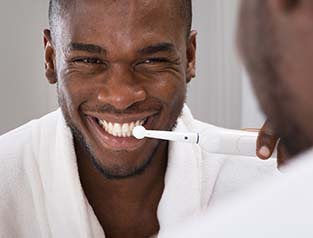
<point x="121" y="88"/>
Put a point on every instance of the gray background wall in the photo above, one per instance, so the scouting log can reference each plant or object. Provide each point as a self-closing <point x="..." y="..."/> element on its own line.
<point x="215" y="96"/>
<point x="220" y="94"/>
<point x="24" y="93"/>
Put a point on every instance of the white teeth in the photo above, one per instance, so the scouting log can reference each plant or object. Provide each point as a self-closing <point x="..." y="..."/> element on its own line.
<point x="125" y="129"/>
<point x="120" y="130"/>
<point x="110" y="128"/>
<point x="117" y="130"/>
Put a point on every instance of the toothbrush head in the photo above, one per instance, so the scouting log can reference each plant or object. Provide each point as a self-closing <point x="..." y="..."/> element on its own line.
<point x="139" y="132"/>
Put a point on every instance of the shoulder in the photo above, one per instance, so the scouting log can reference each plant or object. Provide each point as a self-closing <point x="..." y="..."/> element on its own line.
<point x="240" y="173"/>
<point x="22" y="138"/>
<point x="14" y="143"/>
<point x="20" y="173"/>
<point x="19" y="147"/>
<point x="229" y="174"/>
<point x="239" y="168"/>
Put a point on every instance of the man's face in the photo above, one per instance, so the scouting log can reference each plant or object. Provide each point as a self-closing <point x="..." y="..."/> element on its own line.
<point x="275" y="39"/>
<point x="120" y="64"/>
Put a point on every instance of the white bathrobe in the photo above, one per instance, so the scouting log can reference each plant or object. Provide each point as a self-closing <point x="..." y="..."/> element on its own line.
<point x="278" y="208"/>
<point x="41" y="195"/>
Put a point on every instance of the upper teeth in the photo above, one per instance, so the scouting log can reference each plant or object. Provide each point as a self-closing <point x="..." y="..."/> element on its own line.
<point x="120" y="130"/>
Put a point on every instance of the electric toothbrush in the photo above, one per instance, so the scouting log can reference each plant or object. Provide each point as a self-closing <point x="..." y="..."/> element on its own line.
<point x="212" y="139"/>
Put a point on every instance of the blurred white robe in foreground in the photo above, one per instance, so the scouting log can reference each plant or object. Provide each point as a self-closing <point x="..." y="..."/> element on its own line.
<point x="280" y="208"/>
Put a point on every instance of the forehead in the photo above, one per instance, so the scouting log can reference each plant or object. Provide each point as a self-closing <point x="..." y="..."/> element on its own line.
<point x="123" y="21"/>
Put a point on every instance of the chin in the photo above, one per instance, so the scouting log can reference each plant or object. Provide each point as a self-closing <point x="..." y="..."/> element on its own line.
<point x="121" y="170"/>
<point x="118" y="163"/>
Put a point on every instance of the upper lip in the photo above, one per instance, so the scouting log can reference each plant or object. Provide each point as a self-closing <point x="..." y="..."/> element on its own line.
<point x="121" y="118"/>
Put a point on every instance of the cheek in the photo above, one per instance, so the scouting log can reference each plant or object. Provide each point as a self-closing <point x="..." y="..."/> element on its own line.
<point x="170" y="91"/>
<point x="65" y="95"/>
<point x="71" y="95"/>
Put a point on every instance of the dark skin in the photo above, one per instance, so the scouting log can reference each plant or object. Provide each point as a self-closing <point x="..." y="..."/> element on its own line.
<point x="124" y="208"/>
<point x="268" y="138"/>
<point x="121" y="65"/>
<point x="128" y="62"/>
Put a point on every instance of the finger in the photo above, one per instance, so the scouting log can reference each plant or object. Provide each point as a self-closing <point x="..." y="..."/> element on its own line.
<point x="266" y="141"/>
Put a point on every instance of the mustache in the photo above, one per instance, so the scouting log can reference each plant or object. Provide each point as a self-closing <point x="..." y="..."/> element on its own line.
<point x="134" y="108"/>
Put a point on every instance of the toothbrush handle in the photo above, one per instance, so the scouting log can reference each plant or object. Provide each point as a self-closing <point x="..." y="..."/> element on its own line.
<point x="239" y="143"/>
<point x="177" y="136"/>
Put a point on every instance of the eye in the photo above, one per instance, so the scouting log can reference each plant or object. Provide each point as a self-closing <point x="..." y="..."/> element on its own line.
<point x="88" y="60"/>
<point x="155" y="61"/>
<point x="156" y="64"/>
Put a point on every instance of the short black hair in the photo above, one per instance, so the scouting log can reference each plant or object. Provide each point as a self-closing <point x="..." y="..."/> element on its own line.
<point x="58" y="7"/>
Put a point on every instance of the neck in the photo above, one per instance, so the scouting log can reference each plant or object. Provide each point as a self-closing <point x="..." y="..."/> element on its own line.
<point x="125" y="203"/>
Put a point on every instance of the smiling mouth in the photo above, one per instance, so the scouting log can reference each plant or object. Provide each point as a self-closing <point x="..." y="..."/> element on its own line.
<point x="120" y="129"/>
<point x="114" y="132"/>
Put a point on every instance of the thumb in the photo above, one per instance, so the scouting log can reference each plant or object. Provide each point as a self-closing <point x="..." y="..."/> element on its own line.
<point x="266" y="141"/>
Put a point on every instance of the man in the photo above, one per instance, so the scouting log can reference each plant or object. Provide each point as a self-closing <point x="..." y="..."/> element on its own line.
<point x="275" y="42"/>
<point x="78" y="172"/>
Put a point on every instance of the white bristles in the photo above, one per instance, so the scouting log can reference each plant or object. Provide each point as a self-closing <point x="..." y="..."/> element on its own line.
<point x="139" y="132"/>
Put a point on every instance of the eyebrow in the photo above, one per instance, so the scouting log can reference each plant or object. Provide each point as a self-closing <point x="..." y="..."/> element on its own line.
<point x="85" y="47"/>
<point x="91" y="48"/>
<point x="161" y="47"/>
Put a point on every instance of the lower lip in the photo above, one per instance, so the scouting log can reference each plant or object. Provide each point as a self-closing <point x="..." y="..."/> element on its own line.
<point x="112" y="142"/>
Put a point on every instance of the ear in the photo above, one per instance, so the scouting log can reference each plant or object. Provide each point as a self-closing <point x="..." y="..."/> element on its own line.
<point x="191" y="56"/>
<point x="49" y="57"/>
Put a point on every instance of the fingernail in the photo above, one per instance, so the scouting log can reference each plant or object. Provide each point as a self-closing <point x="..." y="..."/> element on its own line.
<point x="265" y="151"/>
